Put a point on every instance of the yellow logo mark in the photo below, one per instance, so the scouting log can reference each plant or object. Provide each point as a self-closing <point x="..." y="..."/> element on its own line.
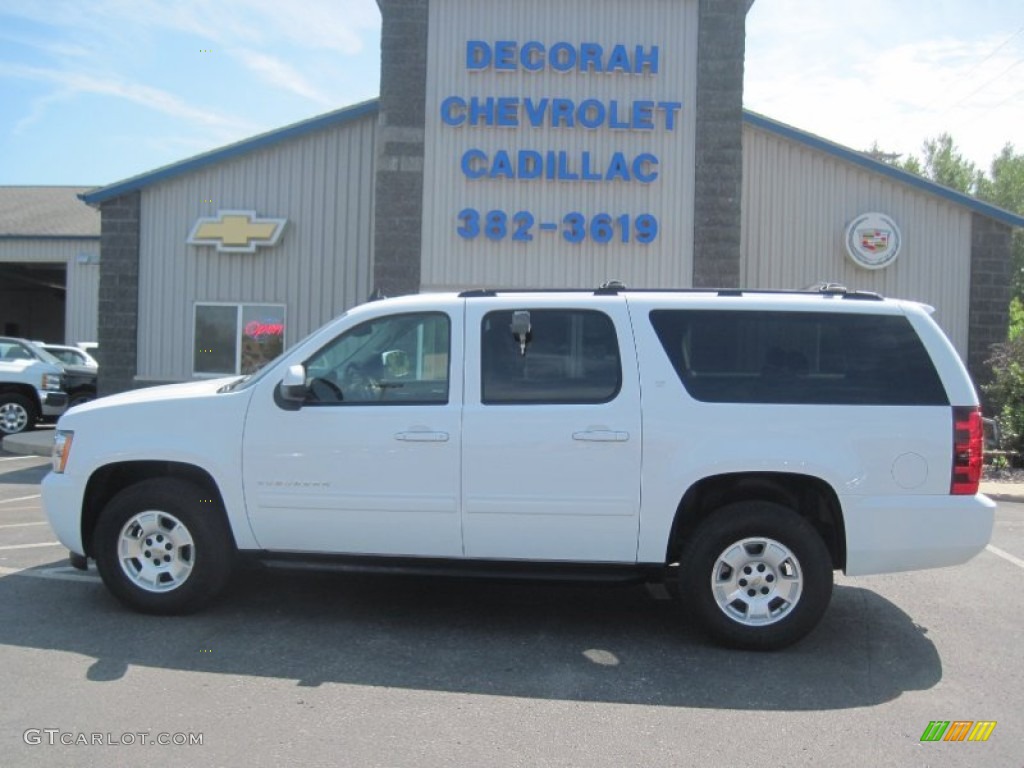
<point x="236" y="231"/>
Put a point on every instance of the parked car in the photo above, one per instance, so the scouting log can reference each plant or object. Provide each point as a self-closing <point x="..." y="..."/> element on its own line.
<point x="69" y="355"/>
<point x="740" y="445"/>
<point x="30" y="387"/>
<point x="78" y="381"/>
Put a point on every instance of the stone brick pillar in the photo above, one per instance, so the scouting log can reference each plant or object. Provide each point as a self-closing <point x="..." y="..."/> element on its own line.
<point x="991" y="256"/>
<point x="721" y="43"/>
<point x="398" y="221"/>
<point x="119" y="293"/>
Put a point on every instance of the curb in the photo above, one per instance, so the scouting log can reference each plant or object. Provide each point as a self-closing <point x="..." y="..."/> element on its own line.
<point x="35" y="443"/>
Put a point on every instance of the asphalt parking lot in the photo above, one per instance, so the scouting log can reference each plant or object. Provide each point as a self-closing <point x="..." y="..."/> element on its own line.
<point x="339" y="669"/>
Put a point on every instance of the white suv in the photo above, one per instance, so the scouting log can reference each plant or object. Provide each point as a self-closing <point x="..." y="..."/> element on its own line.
<point x="743" y="445"/>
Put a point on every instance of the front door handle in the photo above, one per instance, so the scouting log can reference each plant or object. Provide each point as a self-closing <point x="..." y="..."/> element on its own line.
<point x="422" y="436"/>
<point x="601" y="436"/>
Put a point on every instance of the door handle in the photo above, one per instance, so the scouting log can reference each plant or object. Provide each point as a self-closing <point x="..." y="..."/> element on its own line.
<point x="601" y="436"/>
<point x="422" y="436"/>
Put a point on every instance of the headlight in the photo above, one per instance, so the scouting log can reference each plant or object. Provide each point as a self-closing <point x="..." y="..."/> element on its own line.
<point x="51" y="381"/>
<point x="61" y="449"/>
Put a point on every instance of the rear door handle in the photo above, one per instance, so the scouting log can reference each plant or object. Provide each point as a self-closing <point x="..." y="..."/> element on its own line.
<point x="422" y="436"/>
<point x="601" y="436"/>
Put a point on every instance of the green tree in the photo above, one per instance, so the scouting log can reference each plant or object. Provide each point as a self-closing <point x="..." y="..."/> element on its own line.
<point x="944" y="165"/>
<point x="1005" y="187"/>
<point x="911" y="164"/>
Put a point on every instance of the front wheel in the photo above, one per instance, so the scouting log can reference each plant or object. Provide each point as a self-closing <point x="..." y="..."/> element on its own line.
<point x="17" y="414"/>
<point x="757" y="575"/>
<point x="163" y="546"/>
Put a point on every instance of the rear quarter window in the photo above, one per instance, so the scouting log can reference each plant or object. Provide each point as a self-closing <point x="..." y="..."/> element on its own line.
<point x="819" y="358"/>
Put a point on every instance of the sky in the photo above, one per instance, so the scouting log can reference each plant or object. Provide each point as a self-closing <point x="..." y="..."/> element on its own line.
<point x="96" y="91"/>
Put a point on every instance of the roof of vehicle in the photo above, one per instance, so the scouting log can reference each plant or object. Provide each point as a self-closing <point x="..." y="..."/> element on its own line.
<point x="835" y="297"/>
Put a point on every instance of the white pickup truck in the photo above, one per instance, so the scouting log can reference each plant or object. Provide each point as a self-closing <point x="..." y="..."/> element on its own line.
<point x="741" y="445"/>
<point x="29" y="388"/>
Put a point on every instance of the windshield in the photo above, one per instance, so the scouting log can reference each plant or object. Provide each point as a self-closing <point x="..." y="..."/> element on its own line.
<point x="15" y="349"/>
<point x="47" y="357"/>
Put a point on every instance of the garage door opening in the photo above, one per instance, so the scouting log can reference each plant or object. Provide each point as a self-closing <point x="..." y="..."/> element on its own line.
<point x="33" y="300"/>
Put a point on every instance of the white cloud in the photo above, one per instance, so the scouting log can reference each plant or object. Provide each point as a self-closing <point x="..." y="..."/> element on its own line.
<point x="143" y="95"/>
<point x="281" y="74"/>
<point x="895" y="73"/>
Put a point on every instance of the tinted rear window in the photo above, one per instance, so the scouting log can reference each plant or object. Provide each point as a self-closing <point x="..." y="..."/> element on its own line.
<point x="572" y="357"/>
<point x="798" y="357"/>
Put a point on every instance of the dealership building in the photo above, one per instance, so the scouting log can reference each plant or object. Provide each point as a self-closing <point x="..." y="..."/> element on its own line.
<point x="525" y="144"/>
<point x="49" y="264"/>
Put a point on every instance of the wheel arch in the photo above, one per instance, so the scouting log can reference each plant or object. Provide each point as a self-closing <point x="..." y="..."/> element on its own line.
<point x="811" y="497"/>
<point x="109" y="480"/>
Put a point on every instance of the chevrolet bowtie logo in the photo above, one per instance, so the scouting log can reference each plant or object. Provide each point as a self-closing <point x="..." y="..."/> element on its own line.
<point x="236" y="231"/>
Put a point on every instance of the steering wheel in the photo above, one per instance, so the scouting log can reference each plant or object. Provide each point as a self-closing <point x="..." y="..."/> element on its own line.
<point x="324" y="390"/>
<point x="359" y="384"/>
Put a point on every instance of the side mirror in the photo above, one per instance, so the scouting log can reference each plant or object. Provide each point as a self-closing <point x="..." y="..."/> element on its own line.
<point x="293" y="386"/>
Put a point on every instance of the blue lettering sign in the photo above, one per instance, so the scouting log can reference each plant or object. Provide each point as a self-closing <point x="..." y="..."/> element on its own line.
<point x="531" y="56"/>
<point x="505" y="55"/>
<point x="473" y="170"/>
<point x="562" y="57"/>
<point x="643" y="166"/>
<point x="453" y="111"/>
<point x="478" y="54"/>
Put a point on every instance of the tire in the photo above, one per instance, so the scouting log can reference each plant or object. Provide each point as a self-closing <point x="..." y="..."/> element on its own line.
<point x="81" y="397"/>
<point x="161" y="546"/>
<point x="17" y="414"/>
<point x="790" y="576"/>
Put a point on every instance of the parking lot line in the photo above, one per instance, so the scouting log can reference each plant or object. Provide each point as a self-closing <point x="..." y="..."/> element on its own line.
<point x="19" y="458"/>
<point x="32" y="546"/>
<point x="20" y="498"/>
<point x="1006" y="556"/>
<point x="20" y="525"/>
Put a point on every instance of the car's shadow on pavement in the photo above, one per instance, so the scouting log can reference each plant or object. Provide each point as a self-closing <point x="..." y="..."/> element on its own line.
<point x="25" y="476"/>
<point x="571" y="642"/>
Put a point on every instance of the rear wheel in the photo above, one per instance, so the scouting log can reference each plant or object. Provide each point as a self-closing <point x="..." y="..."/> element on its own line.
<point x="17" y="413"/>
<point x="756" y="575"/>
<point x="163" y="546"/>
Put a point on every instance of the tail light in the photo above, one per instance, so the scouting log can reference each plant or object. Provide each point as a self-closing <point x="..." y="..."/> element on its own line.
<point x="967" y="450"/>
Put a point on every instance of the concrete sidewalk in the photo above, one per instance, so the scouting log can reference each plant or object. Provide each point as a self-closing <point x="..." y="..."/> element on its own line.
<point x="39" y="442"/>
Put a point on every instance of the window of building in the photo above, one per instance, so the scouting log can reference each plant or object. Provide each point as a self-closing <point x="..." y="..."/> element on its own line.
<point x="798" y="357"/>
<point x="236" y="338"/>
<point x="572" y="357"/>
<point x="398" y="359"/>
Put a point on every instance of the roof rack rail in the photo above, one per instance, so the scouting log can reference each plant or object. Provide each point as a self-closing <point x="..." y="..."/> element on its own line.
<point x="614" y="288"/>
<point x="838" y="289"/>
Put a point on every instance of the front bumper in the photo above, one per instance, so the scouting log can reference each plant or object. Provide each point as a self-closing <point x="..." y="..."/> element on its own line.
<point x="53" y="403"/>
<point x="62" y="502"/>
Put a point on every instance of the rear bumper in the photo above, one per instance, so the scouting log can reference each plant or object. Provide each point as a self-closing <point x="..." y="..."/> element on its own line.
<point x="908" y="533"/>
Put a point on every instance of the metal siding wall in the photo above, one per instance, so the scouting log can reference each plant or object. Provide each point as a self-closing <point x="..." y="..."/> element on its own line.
<point x="450" y="261"/>
<point x="81" y="313"/>
<point x="81" y="305"/>
<point x="797" y="202"/>
<point x="323" y="185"/>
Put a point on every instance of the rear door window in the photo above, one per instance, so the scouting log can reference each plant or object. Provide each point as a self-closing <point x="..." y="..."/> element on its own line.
<point x="798" y="357"/>
<point x="572" y="357"/>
